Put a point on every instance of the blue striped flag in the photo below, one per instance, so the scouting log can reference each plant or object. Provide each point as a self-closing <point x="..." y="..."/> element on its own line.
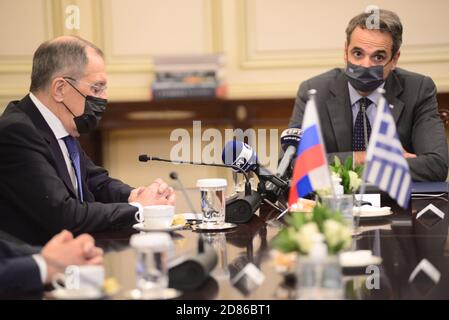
<point x="385" y="164"/>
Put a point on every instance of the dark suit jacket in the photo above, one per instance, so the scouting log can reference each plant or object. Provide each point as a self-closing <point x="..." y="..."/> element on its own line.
<point x="37" y="198"/>
<point x="415" y="111"/>
<point x="19" y="273"/>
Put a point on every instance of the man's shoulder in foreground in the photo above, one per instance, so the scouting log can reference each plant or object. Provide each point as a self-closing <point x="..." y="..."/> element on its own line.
<point x="14" y="121"/>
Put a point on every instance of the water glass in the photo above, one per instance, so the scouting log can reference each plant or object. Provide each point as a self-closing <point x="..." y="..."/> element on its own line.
<point x="152" y="250"/>
<point x="319" y="279"/>
<point x="343" y="203"/>
<point x="213" y="203"/>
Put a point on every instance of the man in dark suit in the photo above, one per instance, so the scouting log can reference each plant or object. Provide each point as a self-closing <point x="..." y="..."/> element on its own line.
<point x="25" y="270"/>
<point x="347" y="99"/>
<point x="47" y="182"/>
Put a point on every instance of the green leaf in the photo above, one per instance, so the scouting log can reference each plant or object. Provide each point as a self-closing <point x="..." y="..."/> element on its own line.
<point x="296" y="219"/>
<point x="359" y="170"/>
<point x="345" y="182"/>
<point x="348" y="163"/>
<point x="283" y="242"/>
<point x="337" y="161"/>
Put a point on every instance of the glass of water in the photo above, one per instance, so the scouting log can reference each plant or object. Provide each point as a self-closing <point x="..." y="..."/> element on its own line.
<point x="319" y="280"/>
<point x="152" y="250"/>
<point x="213" y="203"/>
<point x="343" y="203"/>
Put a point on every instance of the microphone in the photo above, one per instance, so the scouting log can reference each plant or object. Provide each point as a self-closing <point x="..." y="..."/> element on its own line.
<point x="241" y="155"/>
<point x="290" y="139"/>
<point x="174" y="176"/>
<point x="240" y="208"/>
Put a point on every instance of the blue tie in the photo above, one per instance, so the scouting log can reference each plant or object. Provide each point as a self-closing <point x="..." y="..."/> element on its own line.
<point x="70" y="143"/>
<point x="358" y="137"/>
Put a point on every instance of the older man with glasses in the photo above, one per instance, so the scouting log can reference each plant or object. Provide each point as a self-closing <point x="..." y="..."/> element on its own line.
<point x="47" y="182"/>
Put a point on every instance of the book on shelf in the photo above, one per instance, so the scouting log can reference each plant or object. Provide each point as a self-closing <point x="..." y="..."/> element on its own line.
<point x="189" y="76"/>
<point x="179" y="90"/>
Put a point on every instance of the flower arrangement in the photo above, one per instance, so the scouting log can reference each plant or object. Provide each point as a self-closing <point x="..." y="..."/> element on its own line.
<point x="302" y="228"/>
<point x="350" y="178"/>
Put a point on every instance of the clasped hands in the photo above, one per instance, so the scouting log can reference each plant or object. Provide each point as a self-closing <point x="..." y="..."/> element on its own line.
<point x="157" y="193"/>
<point x="359" y="157"/>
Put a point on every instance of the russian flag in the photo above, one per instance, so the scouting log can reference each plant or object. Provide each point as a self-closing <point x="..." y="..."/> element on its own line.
<point x="311" y="171"/>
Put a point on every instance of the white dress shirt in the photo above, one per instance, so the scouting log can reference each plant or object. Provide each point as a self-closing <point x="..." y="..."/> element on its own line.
<point x="371" y="110"/>
<point x="60" y="132"/>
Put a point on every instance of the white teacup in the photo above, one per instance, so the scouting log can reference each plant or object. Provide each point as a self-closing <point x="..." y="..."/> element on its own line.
<point x="80" y="278"/>
<point x="156" y="216"/>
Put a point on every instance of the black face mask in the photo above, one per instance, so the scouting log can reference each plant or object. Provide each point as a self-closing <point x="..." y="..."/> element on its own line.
<point x="93" y="111"/>
<point x="364" y="79"/>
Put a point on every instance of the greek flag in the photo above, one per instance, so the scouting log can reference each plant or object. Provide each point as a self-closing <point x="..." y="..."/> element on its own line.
<point x="385" y="165"/>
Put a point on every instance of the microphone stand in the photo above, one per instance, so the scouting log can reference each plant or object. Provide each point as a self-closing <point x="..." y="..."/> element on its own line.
<point x="173" y="175"/>
<point x="146" y="158"/>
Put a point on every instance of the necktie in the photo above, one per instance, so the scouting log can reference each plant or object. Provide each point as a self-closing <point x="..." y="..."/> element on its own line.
<point x="70" y="143"/>
<point x="358" y="136"/>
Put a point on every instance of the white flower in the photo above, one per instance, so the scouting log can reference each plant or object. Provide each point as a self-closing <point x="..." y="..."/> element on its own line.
<point x="354" y="180"/>
<point x="335" y="175"/>
<point x="336" y="233"/>
<point x="304" y="237"/>
<point x="346" y="235"/>
<point x="332" y="232"/>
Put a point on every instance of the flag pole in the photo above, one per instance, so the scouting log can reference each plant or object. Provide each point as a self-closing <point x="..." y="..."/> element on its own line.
<point x="363" y="184"/>
<point x="312" y="94"/>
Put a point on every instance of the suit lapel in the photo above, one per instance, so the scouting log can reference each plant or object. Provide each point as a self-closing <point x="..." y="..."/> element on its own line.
<point x="340" y="113"/>
<point x="31" y="110"/>
<point x="393" y="89"/>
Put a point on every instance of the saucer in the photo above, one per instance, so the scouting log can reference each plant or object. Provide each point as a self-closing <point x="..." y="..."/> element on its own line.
<point x="215" y="227"/>
<point x="166" y="294"/>
<point x="371" y="212"/>
<point x="79" y="294"/>
<point x="141" y="227"/>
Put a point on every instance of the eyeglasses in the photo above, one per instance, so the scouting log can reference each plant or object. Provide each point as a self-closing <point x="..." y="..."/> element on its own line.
<point x="96" y="89"/>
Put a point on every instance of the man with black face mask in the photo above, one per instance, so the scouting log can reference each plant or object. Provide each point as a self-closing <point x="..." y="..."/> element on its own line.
<point x="47" y="182"/>
<point x="347" y="99"/>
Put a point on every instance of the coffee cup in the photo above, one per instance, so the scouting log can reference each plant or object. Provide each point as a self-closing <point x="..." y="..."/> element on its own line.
<point x="156" y="216"/>
<point x="80" y="278"/>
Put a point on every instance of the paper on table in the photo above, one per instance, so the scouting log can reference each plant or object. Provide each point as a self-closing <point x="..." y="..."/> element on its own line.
<point x="358" y="258"/>
<point x="371" y="211"/>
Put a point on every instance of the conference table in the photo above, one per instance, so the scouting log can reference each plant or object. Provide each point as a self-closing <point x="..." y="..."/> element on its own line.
<point x="414" y="252"/>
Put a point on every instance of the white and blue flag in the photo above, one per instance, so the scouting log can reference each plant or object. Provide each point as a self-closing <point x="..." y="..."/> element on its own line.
<point x="385" y="164"/>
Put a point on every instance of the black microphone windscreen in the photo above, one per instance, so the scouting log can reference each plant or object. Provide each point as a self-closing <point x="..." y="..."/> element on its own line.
<point x="143" y="158"/>
<point x="174" y="175"/>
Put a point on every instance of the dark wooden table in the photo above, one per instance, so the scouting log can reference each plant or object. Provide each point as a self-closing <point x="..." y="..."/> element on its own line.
<point x="400" y="239"/>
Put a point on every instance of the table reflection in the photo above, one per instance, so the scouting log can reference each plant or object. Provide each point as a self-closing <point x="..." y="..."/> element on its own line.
<point x="402" y="241"/>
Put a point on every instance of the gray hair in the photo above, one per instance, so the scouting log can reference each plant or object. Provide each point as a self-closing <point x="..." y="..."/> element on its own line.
<point x="388" y="22"/>
<point x="59" y="57"/>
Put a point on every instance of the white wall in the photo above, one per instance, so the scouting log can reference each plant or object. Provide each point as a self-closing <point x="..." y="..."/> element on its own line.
<point x="271" y="45"/>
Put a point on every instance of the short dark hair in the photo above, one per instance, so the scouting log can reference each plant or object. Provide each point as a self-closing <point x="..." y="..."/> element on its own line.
<point x="388" y="22"/>
<point x="64" y="57"/>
